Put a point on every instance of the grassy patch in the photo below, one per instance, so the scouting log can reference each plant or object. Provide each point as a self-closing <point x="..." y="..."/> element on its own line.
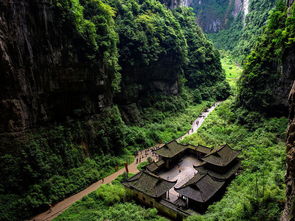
<point x="166" y="128"/>
<point x="232" y="70"/>
<point x="258" y="192"/>
<point x="141" y="165"/>
<point x="109" y="202"/>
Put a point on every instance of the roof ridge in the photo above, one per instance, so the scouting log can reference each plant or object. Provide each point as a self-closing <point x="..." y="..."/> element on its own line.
<point x="200" y="145"/>
<point x="165" y="145"/>
<point x="186" y="185"/>
<point x="158" y="177"/>
<point x="172" y="141"/>
<point x="131" y="178"/>
<point x="200" y="165"/>
<point x="202" y="191"/>
<point x="215" y="150"/>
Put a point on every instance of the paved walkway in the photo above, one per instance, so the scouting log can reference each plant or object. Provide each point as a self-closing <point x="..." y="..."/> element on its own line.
<point x="181" y="173"/>
<point x="60" y="207"/>
<point x="199" y="121"/>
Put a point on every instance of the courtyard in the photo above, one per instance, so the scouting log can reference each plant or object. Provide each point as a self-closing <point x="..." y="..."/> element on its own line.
<point x="181" y="172"/>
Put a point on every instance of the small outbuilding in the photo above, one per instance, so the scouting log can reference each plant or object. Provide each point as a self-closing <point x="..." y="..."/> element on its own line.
<point x="221" y="163"/>
<point x="149" y="187"/>
<point x="200" y="191"/>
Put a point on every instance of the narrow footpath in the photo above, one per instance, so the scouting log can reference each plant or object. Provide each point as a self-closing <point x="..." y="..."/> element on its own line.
<point x="60" y="207"/>
<point x="199" y="121"/>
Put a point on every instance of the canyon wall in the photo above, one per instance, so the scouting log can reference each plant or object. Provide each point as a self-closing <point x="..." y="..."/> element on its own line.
<point x="46" y="73"/>
<point x="214" y="16"/>
<point x="75" y="74"/>
<point x="172" y="4"/>
<point x="289" y="211"/>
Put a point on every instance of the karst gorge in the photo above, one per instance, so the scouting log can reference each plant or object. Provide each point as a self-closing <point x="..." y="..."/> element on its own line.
<point x="151" y="110"/>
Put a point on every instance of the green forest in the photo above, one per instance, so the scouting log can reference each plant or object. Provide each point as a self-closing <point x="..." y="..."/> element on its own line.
<point x="89" y="85"/>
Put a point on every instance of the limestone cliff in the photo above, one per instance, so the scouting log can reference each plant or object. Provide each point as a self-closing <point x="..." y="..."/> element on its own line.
<point x="210" y="14"/>
<point x="289" y="211"/>
<point x="60" y="81"/>
<point x="214" y="16"/>
<point x="45" y="73"/>
<point x="172" y="4"/>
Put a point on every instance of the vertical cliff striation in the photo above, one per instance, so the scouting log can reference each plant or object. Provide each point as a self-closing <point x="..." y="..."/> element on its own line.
<point x="173" y="4"/>
<point x="60" y="82"/>
<point x="214" y="16"/>
<point x="47" y="72"/>
<point x="289" y="211"/>
<point x="245" y="10"/>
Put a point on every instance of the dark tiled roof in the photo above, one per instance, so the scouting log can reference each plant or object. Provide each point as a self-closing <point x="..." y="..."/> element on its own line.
<point x="200" y="148"/>
<point x="171" y="149"/>
<point x="174" y="148"/>
<point x="149" y="184"/>
<point x="200" y="188"/>
<point x="221" y="156"/>
<point x="152" y="167"/>
<point x="222" y="176"/>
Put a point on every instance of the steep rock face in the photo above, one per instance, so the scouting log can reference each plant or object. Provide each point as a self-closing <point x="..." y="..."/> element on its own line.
<point x="172" y="4"/>
<point x="284" y="84"/>
<point x="269" y="70"/>
<point x="214" y="16"/>
<point x="141" y="82"/>
<point x="289" y="212"/>
<point x="44" y="76"/>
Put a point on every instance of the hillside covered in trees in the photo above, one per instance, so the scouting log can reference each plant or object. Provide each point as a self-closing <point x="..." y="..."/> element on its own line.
<point x="81" y="78"/>
<point x="86" y="84"/>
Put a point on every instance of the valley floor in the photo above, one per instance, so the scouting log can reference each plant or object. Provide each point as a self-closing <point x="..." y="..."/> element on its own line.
<point x="256" y="194"/>
<point x="60" y="207"/>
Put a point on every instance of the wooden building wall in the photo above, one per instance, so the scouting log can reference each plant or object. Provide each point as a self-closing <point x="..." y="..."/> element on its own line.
<point x="152" y="202"/>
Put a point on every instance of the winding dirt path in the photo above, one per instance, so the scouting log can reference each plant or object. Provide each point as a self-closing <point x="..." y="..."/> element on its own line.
<point x="60" y="207"/>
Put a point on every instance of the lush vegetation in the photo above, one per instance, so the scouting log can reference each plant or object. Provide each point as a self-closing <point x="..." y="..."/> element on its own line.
<point x="203" y="70"/>
<point x="240" y="37"/>
<point x="213" y="10"/>
<point x="261" y="74"/>
<point x="55" y="163"/>
<point x="164" y="126"/>
<point x="93" y="32"/>
<point x="109" y="202"/>
<point x="232" y="70"/>
<point x="258" y="192"/>
<point x="52" y="163"/>
<point x="121" y="40"/>
<point x="163" y="50"/>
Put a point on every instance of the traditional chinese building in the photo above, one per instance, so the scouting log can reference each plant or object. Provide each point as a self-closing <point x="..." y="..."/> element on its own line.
<point x="153" y="191"/>
<point x="209" y="179"/>
<point x="221" y="163"/>
<point x="200" y="191"/>
<point x="171" y="152"/>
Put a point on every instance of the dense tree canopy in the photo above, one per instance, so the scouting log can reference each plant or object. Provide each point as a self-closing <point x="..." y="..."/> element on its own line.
<point x="261" y="77"/>
<point x="119" y="40"/>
